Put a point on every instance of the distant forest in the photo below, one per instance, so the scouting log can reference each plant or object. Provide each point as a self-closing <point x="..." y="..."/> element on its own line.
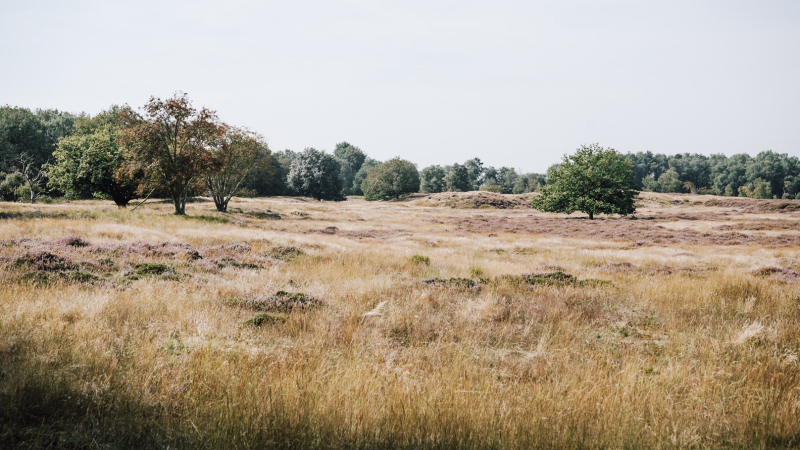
<point x="28" y="140"/>
<point x="767" y="175"/>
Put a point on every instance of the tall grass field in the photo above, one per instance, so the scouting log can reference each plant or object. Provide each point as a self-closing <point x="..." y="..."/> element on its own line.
<point x="446" y="321"/>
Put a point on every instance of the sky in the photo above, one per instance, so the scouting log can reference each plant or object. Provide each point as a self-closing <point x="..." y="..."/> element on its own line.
<point x="514" y="83"/>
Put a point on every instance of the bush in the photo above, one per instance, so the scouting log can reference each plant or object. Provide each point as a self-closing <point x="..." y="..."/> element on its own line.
<point x="463" y="283"/>
<point x="285" y="253"/>
<point x="42" y="261"/>
<point x="265" y="319"/>
<point x="496" y="188"/>
<point x="12" y="185"/>
<point x="283" y="301"/>
<point x="151" y="269"/>
<point x="418" y="259"/>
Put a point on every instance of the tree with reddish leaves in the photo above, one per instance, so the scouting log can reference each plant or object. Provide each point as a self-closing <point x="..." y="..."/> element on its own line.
<point x="171" y="142"/>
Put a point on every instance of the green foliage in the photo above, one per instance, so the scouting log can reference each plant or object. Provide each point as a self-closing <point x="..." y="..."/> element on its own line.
<point x="351" y="159"/>
<point x="32" y="133"/>
<point x="668" y="181"/>
<point x="717" y="174"/>
<point x="285" y="253"/>
<point x="316" y="174"/>
<point x="528" y="183"/>
<point x="361" y="175"/>
<point x="455" y="282"/>
<point x="458" y="179"/>
<point x="432" y="179"/>
<point x="152" y="269"/>
<point x="269" y="177"/>
<point x="12" y="188"/>
<point x="91" y="160"/>
<point x="757" y="189"/>
<point x="476" y="172"/>
<point x="594" y="180"/>
<point x="350" y="154"/>
<point x="419" y="259"/>
<point x="491" y="186"/>
<point x="551" y="278"/>
<point x="504" y="178"/>
<point x="265" y="319"/>
<point x="391" y="180"/>
<point x="209" y="219"/>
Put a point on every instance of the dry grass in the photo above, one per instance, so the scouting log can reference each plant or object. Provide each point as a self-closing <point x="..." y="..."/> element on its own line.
<point x="692" y="341"/>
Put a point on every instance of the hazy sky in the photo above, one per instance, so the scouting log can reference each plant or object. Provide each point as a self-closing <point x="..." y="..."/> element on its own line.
<point x="515" y="83"/>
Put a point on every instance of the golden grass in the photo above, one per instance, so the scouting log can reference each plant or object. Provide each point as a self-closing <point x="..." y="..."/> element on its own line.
<point x="684" y="349"/>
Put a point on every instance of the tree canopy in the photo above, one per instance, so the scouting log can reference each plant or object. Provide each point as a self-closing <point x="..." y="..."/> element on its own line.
<point x="432" y="179"/>
<point x="391" y="180"/>
<point x="90" y="162"/>
<point x="316" y="174"/>
<point x="235" y="155"/>
<point x="594" y="180"/>
<point x="170" y="143"/>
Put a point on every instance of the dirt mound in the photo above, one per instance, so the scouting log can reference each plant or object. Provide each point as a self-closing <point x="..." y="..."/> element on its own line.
<point x="476" y="199"/>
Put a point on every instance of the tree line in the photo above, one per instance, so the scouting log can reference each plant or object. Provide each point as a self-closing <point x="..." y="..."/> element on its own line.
<point x="169" y="149"/>
<point x="767" y="175"/>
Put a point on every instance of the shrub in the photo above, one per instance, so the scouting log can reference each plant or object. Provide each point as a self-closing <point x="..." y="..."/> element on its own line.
<point x="496" y="188"/>
<point x="285" y="253"/>
<point x="551" y="278"/>
<point x="73" y="241"/>
<point x="265" y="319"/>
<point x="152" y="268"/>
<point x="42" y="261"/>
<point x="283" y="301"/>
<point x="419" y="259"/>
<point x="454" y="282"/>
<point x="265" y="215"/>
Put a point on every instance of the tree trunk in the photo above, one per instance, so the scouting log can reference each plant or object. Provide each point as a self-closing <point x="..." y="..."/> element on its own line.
<point x="221" y="203"/>
<point x="120" y="200"/>
<point x="180" y="204"/>
<point x="591" y="215"/>
<point x="179" y="208"/>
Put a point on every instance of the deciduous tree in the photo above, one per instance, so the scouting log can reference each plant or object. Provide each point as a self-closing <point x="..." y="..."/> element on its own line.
<point x="432" y="179"/>
<point x="594" y="180"/>
<point x="171" y="143"/>
<point x="361" y="175"/>
<point x="91" y="161"/>
<point x="458" y="179"/>
<point x="391" y="180"/>
<point x="316" y="174"/>
<point x="236" y="155"/>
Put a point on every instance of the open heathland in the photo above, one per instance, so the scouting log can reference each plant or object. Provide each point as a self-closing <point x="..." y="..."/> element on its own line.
<point x="460" y="320"/>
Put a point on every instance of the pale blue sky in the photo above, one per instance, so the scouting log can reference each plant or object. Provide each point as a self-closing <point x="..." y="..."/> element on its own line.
<point x="515" y="83"/>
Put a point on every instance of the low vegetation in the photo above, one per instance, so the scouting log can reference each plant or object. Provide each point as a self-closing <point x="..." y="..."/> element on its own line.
<point x="405" y="326"/>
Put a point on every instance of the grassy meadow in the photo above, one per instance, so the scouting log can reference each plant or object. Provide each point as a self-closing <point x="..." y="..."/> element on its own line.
<point x="442" y="321"/>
